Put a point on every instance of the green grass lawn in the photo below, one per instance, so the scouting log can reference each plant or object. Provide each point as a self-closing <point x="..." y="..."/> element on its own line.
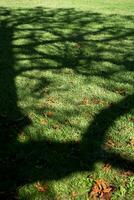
<point x="66" y="98"/>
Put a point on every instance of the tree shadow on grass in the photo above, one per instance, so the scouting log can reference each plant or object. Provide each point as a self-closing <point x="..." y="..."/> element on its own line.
<point x="18" y="161"/>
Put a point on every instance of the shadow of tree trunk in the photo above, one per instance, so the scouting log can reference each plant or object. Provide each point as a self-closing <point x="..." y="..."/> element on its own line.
<point x="10" y="113"/>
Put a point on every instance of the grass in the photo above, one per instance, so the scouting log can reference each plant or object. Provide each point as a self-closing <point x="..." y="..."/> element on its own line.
<point x="66" y="88"/>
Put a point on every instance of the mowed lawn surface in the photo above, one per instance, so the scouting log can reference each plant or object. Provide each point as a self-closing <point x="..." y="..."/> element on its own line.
<point x="66" y="99"/>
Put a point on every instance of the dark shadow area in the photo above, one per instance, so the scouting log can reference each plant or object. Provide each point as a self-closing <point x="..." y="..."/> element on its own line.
<point x="78" y="49"/>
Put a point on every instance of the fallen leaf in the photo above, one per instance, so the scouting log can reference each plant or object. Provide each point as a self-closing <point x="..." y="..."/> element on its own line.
<point x="85" y="101"/>
<point x="49" y="114"/>
<point x="121" y="91"/>
<point x="106" y="167"/>
<point x="96" y="101"/>
<point x="44" y="121"/>
<point x="74" y="194"/>
<point x="41" y="188"/>
<point x="101" y="190"/>
<point x="131" y="142"/>
<point x="99" y="101"/>
<point x="110" y="143"/>
<point x="56" y="126"/>
<point x="131" y="119"/>
<point x="106" y="196"/>
<point x="128" y="173"/>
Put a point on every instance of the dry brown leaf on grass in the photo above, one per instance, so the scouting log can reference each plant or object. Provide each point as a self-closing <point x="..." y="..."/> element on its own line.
<point x="131" y="119"/>
<point x="56" y="126"/>
<point x="101" y="190"/>
<point x="40" y="187"/>
<point x="110" y="143"/>
<point x="128" y="173"/>
<point x="106" y="167"/>
<point x="85" y="101"/>
<point x="44" y="122"/>
<point x="49" y="114"/>
<point x="96" y="101"/>
<point x="74" y="194"/>
<point x="131" y="142"/>
<point x="121" y="91"/>
<point x="99" y="101"/>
